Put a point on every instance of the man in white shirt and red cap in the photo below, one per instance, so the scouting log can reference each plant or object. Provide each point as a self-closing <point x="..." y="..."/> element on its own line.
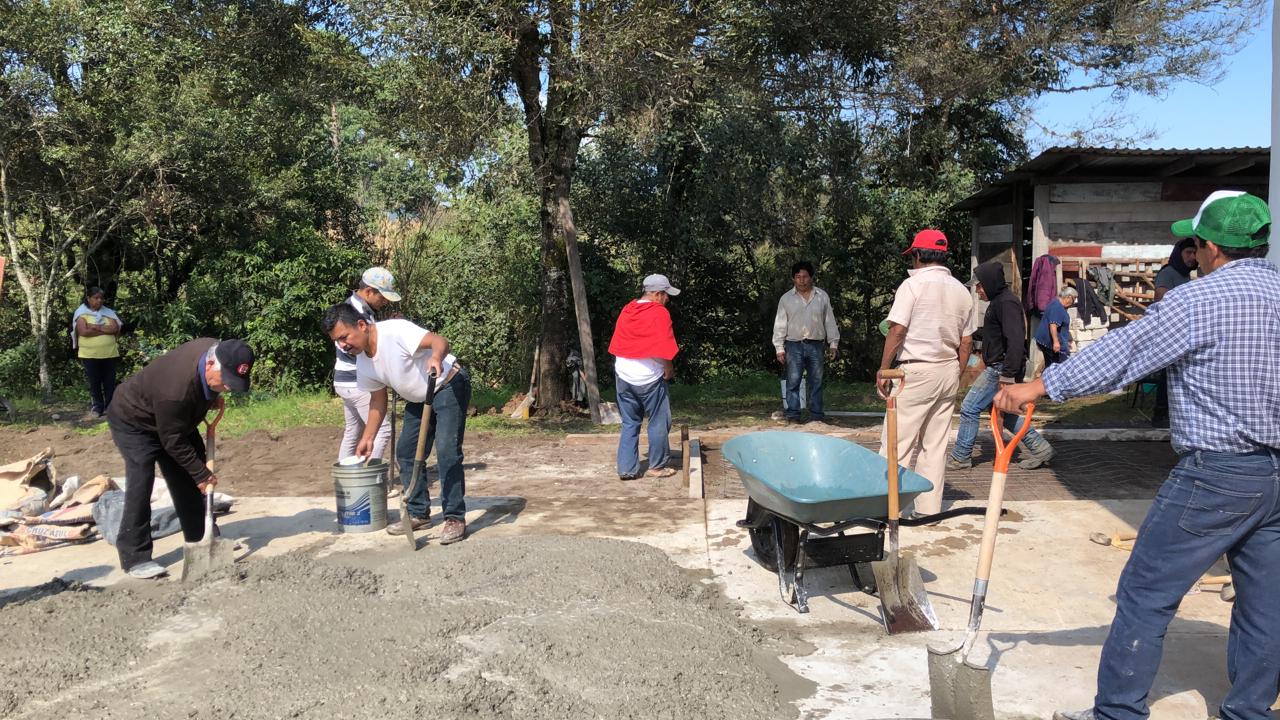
<point x="931" y="326"/>
<point x="645" y="344"/>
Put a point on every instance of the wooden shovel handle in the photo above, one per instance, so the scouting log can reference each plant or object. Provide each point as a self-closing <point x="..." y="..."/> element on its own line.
<point x="995" y="501"/>
<point x="891" y="439"/>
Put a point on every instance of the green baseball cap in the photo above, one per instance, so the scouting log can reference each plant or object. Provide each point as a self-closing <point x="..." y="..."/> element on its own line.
<point x="1230" y="218"/>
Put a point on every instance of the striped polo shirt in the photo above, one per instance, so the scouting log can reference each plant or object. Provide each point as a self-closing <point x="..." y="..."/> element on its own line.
<point x="344" y="368"/>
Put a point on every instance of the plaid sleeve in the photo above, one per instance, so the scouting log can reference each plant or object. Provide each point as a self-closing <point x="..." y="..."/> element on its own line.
<point x="1122" y="356"/>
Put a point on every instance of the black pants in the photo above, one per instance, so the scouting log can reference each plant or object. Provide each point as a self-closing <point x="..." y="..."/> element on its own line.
<point x="101" y="374"/>
<point x="142" y="451"/>
<point x="1050" y="357"/>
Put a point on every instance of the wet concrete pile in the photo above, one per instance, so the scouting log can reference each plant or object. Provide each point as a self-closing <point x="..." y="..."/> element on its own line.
<point x="531" y="628"/>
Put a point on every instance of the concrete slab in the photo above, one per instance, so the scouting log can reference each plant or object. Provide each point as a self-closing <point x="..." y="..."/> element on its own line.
<point x="1049" y="607"/>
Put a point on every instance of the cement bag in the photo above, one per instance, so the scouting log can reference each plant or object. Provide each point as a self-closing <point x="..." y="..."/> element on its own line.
<point x="19" y="480"/>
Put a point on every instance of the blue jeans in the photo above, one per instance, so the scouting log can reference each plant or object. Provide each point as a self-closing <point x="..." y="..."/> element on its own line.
<point x="979" y="398"/>
<point x="1211" y="504"/>
<point x="634" y="403"/>
<point x="448" y="425"/>
<point x="804" y="356"/>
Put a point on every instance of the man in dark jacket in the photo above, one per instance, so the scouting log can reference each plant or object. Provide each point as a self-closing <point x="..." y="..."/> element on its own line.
<point x="1004" y="352"/>
<point x="154" y="419"/>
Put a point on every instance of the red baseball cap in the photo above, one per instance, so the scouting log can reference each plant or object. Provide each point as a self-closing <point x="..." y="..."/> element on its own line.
<point x="928" y="239"/>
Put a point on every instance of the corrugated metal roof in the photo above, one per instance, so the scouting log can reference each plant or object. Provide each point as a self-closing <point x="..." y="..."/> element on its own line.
<point x="1099" y="164"/>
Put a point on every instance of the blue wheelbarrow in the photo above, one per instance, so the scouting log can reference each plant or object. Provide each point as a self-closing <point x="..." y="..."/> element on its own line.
<point x="818" y="501"/>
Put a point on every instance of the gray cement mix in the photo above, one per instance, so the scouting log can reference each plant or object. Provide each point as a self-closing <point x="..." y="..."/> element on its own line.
<point x="534" y="627"/>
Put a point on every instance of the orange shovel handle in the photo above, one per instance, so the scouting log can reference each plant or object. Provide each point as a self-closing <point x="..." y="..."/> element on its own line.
<point x="1004" y="452"/>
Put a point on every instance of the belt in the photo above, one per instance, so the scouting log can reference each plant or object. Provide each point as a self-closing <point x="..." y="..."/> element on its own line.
<point x="809" y="341"/>
<point x="453" y="372"/>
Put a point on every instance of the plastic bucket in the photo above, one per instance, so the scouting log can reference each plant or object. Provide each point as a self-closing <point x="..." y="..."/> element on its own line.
<point x="361" y="494"/>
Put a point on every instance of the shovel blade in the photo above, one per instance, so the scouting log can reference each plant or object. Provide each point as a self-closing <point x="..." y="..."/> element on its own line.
<point x="904" y="605"/>
<point x="201" y="558"/>
<point x="958" y="689"/>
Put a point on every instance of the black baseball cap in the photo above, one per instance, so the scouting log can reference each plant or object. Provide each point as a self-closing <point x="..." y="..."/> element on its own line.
<point x="236" y="359"/>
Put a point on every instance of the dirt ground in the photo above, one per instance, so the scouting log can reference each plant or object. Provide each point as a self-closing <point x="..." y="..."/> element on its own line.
<point x="537" y="628"/>
<point x="297" y="463"/>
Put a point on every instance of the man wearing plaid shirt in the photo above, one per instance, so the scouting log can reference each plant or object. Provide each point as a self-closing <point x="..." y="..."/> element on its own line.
<point x="1219" y="337"/>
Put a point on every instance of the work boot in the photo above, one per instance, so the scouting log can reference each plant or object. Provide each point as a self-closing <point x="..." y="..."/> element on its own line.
<point x="1075" y="715"/>
<point x="453" y="531"/>
<point x="1031" y="461"/>
<point x="955" y="463"/>
<point x="417" y="523"/>
<point x="147" y="570"/>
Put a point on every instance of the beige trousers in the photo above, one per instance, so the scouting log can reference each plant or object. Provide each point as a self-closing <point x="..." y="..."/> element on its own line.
<point x="924" y="424"/>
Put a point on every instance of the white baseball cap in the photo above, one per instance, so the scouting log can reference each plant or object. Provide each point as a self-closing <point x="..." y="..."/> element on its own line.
<point x="660" y="283"/>
<point x="381" y="279"/>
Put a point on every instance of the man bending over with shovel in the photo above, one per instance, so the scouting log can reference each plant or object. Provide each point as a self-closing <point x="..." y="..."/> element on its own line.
<point x="1217" y="338"/>
<point x="154" y="419"/>
<point x="405" y="357"/>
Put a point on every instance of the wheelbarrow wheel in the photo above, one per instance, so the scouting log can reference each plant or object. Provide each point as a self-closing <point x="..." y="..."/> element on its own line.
<point x="762" y="546"/>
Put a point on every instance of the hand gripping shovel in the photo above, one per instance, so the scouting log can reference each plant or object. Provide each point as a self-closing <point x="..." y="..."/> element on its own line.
<point x="419" y="472"/>
<point x="960" y="689"/>
<point x="904" y="605"/>
<point x="209" y="553"/>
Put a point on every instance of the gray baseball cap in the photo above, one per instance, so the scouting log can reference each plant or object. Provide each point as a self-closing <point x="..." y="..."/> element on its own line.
<point x="660" y="283"/>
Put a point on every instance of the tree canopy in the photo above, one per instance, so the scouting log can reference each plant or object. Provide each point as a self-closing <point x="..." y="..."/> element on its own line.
<point x="228" y="168"/>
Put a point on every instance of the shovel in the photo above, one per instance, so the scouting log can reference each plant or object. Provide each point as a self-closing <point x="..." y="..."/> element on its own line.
<point x="419" y="471"/>
<point x="960" y="689"/>
<point x="904" y="605"/>
<point x="209" y="553"/>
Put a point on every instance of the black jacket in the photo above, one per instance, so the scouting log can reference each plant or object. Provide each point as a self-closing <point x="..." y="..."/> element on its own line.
<point x="167" y="398"/>
<point x="1004" y="327"/>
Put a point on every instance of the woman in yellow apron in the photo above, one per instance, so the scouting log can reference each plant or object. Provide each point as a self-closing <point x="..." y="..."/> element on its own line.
<point x="94" y="334"/>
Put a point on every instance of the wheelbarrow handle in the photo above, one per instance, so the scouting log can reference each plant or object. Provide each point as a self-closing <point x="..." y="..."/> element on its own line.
<point x="1004" y="452"/>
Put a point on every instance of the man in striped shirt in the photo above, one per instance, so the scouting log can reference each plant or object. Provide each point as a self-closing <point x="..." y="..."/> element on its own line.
<point x="377" y="289"/>
<point x="1218" y="337"/>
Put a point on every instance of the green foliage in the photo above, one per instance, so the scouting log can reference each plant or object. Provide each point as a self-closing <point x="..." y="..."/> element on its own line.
<point x="472" y="273"/>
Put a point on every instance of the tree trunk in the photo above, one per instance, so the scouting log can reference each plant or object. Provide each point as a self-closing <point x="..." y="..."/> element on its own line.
<point x="552" y="380"/>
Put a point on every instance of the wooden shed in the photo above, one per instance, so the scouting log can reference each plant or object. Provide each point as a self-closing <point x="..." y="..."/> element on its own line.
<point x="1103" y="207"/>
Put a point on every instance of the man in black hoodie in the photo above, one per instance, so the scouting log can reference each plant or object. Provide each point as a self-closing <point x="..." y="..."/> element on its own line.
<point x="1003" y="334"/>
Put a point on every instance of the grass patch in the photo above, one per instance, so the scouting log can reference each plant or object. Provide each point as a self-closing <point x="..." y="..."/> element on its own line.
<point x="268" y="411"/>
<point x="724" y="402"/>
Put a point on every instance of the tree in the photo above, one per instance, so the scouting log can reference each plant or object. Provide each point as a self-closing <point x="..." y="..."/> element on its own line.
<point x="566" y="68"/>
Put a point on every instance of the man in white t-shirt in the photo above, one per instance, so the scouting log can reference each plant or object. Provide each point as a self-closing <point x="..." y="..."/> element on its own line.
<point x="931" y="326"/>
<point x="377" y="289"/>
<point x="400" y="355"/>
<point x="644" y="345"/>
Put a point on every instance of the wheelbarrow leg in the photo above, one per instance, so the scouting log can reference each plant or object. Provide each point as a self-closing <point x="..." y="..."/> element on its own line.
<point x="802" y="598"/>
<point x="786" y="550"/>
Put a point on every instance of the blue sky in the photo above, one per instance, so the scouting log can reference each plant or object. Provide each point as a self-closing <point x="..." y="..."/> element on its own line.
<point x="1235" y="112"/>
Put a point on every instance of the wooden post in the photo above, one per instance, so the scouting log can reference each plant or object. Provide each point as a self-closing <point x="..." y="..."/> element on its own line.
<point x="580" y="308"/>
<point x="684" y="453"/>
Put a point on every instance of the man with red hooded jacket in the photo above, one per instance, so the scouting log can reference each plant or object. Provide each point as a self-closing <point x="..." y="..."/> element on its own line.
<point x="644" y="345"/>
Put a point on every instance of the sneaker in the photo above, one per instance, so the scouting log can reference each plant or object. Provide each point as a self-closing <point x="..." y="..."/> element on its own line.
<point x="955" y="463"/>
<point x="147" y="570"/>
<point x="453" y="531"/>
<point x="417" y="523"/>
<point x="625" y="478"/>
<point x="1075" y="715"/>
